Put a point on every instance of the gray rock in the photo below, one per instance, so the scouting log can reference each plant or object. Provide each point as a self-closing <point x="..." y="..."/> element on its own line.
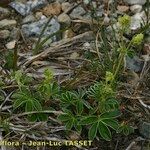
<point x="64" y="18"/>
<point x="135" y="8"/>
<point x="4" y="34"/>
<point x="77" y="12"/>
<point x="15" y="34"/>
<point x="137" y="20"/>
<point x="25" y="9"/>
<point x="34" y="29"/>
<point x="5" y="23"/>
<point x="134" y="64"/>
<point x="65" y="6"/>
<point x="28" y="19"/>
<point x="4" y="12"/>
<point x="133" y="2"/>
<point x="145" y="129"/>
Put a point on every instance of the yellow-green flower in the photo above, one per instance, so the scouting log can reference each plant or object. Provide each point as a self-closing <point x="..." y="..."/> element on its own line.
<point x="137" y="40"/>
<point x="109" y="76"/>
<point x="124" y="21"/>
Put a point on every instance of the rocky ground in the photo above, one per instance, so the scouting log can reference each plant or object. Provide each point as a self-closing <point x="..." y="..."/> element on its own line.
<point x="57" y="34"/>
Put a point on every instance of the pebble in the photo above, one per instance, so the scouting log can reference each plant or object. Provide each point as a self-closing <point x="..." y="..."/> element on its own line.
<point x="4" y="12"/>
<point x="15" y="34"/>
<point x="65" y="6"/>
<point x="4" y="34"/>
<point x="64" y="18"/>
<point x="77" y="12"/>
<point x="11" y="44"/>
<point x="133" y="2"/>
<point x="38" y="15"/>
<point x="28" y="19"/>
<point x="52" y="9"/>
<point x="6" y="23"/>
<point x="137" y="19"/>
<point x="135" y="8"/>
<point x="123" y="8"/>
<point x="34" y="29"/>
<point x="134" y="64"/>
<point x="25" y="9"/>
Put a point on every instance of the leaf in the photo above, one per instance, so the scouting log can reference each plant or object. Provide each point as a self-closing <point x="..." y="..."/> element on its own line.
<point x="29" y="106"/>
<point x="111" y="114"/>
<point x="64" y="117"/>
<point x="111" y="123"/>
<point x="104" y="131"/>
<point x="69" y="124"/>
<point x="36" y="104"/>
<point x="93" y="131"/>
<point x="18" y="103"/>
<point x="79" y="107"/>
<point x="42" y="117"/>
<point x="88" y="120"/>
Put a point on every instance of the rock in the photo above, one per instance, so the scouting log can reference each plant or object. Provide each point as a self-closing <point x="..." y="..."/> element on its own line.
<point x="28" y="19"/>
<point x="5" y="23"/>
<point x="4" y="12"/>
<point x="65" y="6"/>
<point x="52" y="9"/>
<point x="133" y="2"/>
<point x="34" y="29"/>
<point x="25" y="9"/>
<point x="15" y="34"/>
<point x="4" y="34"/>
<point x="86" y="2"/>
<point x="136" y="20"/>
<point x="38" y="15"/>
<point x="135" y="8"/>
<point x="123" y="8"/>
<point x="11" y="45"/>
<point x="68" y="34"/>
<point x="134" y="64"/>
<point x="145" y="129"/>
<point x="64" y="18"/>
<point x="77" y="12"/>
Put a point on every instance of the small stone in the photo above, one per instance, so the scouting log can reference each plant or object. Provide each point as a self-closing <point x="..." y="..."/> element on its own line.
<point x="133" y="2"/>
<point x="123" y="8"/>
<point x="5" y="23"/>
<point x="15" y="34"/>
<point x="28" y="19"/>
<point x="11" y="45"/>
<point x="34" y="29"/>
<point x="25" y="8"/>
<point x="136" y="8"/>
<point x="4" y="34"/>
<point x="38" y="15"/>
<point x="65" y="6"/>
<point x="64" y="18"/>
<point x="77" y="12"/>
<point x="137" y="19"/>
<point x="4" y="12"/>
<point x="68" y="34"/>
<point x="52" y="9"/>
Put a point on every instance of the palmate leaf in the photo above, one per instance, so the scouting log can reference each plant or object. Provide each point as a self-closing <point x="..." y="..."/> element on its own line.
<point x="93" y="131"/>
<point x="69" y="124"/>
<point x="79" y="107"/>
<point x="36" y="105"/>
<point x="88" y="120"/>
<point x="110" y="114"/>
<point x="29" y="106"/>
<point x="64" y="117"/>
<point x="67" y="97"/>
<point x="104" y="131"/>
<point x="18" y="103"/>
<point x="112" y="123"/>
